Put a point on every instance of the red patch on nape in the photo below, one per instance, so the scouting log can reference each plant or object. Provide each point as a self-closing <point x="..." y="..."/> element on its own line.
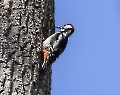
<point x="72" y="27"/>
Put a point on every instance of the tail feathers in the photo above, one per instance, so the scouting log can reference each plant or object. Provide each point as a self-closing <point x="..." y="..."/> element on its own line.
<point x="44" y="65"/>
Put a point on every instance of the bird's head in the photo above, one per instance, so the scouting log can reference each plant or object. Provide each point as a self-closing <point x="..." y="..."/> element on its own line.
<point x="66" y="29"/>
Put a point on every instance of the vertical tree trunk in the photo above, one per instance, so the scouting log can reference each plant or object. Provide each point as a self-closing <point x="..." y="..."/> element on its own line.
<point x="24" y="24"/>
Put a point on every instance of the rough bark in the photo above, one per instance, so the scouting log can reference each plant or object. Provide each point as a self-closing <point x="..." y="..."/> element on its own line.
<point x="24" y="24"/>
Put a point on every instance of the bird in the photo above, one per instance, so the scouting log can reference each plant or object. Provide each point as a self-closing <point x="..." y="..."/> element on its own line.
<point x="55" y="44"/>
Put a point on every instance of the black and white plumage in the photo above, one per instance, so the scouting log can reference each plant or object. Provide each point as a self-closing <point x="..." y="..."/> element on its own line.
<point x="54" y="45"/>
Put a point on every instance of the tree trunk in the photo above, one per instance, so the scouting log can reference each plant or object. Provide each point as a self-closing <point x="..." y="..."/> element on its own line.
<point x="24" y="25"/>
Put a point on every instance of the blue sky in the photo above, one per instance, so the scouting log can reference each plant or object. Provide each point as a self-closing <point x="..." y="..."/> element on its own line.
<point x="90" y="65"/>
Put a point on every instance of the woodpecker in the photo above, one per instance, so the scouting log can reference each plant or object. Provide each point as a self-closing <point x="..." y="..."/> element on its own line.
<point x="54" y="45"/>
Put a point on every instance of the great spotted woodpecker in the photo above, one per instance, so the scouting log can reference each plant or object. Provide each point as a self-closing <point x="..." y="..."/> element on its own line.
<point x="54" y="45"/>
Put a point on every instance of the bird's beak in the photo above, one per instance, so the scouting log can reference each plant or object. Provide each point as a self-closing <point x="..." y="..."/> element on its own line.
<point x="58" y="27"/>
